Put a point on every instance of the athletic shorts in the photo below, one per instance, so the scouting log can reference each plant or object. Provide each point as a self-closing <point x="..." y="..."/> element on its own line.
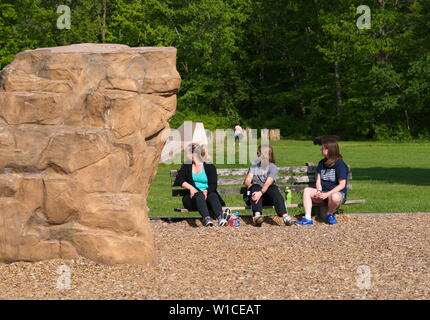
<point x="343" y="199"/>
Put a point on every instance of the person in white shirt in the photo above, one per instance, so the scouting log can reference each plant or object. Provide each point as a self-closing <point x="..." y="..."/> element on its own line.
<point x="238" y="133"/>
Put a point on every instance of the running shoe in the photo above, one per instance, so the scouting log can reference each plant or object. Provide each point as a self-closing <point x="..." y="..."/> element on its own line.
<point x="222" y="222"/>
<point x="331" y="219"/>
<point x="287" y="220"/>
<point x="226" y="214"/>
<point x="208" y="222"/>
<point x="305" y="222"/>
<point x="258" y="219"/>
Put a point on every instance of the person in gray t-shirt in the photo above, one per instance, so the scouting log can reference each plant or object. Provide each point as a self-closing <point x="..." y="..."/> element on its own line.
<point x="261" y="171"/>
<point x="262" y="190"/>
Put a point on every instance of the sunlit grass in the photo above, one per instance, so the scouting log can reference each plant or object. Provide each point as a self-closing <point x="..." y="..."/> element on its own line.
<point x="391" y="177"/>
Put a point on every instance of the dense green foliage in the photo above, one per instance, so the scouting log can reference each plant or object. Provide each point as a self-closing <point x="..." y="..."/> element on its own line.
<point x="302" y="66"/>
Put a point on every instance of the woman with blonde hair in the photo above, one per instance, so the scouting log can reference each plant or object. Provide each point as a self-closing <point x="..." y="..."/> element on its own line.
<point x="200" y="178"/>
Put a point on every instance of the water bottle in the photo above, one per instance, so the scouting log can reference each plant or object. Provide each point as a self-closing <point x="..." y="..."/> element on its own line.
<point x="237" y="221"/>
<point x="231" y="221"/>
<point x="288" y="195"/>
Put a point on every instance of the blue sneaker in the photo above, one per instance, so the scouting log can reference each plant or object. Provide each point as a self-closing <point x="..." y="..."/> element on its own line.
<point x="305" y="222"/>
<point x="331" y="219"/>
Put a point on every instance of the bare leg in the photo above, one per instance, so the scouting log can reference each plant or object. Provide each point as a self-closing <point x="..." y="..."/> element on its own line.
<point x="308" y="195"/>
<point x="334" y="202"/>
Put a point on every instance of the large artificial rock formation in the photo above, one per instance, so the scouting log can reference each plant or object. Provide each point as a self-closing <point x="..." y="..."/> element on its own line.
<point x="81" y="132"/>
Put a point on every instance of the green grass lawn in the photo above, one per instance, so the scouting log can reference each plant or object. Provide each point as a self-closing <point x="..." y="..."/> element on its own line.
<point x="391" y="177"/>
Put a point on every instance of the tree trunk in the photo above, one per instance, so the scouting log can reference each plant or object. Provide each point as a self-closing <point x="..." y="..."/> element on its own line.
<point x="104" y="22"/>
<point x="302" y="102"/>
<point x="407" y="120"/>
<point x="262" y="44"/>
<point x="338" y="88"/>
<point x="302" y="107"/>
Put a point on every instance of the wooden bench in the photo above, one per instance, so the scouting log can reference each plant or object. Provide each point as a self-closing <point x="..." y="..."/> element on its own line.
<point x="230" y="181"/>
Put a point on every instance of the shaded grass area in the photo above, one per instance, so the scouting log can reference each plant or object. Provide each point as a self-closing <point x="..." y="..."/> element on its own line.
<point x="391" y="177"/>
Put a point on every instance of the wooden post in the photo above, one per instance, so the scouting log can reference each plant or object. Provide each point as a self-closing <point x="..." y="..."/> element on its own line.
<point x="275" y="134"/>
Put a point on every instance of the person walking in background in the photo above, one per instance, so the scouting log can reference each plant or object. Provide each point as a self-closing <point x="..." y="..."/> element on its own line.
<point x="262" y="190"/>
<point x="238" y="133"/>
<point x="200" y="178"/>
<point x="332" y="175"/>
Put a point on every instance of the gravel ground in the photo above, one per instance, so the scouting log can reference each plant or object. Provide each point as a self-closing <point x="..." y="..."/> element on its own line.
<point x="270" y="262"/>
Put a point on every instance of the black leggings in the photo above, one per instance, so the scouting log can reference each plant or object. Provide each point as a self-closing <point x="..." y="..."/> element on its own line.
<point x="199" y="203"/>
<point x="272" y="197"/>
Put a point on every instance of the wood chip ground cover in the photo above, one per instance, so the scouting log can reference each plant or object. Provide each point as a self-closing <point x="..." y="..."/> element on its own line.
<point x="270" y="262"/>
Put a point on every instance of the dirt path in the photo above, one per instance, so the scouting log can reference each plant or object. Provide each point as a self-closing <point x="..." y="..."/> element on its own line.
<point x="271" y="262"/>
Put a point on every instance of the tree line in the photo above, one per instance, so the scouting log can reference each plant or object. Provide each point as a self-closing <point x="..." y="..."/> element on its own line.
<point x="301" y="66"/>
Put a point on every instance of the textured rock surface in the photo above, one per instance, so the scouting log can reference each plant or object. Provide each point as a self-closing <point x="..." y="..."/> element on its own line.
<point x="81" y="132"/>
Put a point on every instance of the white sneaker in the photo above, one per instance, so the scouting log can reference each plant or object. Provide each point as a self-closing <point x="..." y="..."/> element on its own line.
<point x="222" y="222"/>
<point x="287" y="220"/>
<point x="258" y="219"/>
<point x="226" y="214"/>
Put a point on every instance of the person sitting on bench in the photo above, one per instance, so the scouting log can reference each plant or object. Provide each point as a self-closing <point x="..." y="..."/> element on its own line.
<point x="201" y="179"/>
<point x="262" y="190"/>
<point x="332" y="175"/>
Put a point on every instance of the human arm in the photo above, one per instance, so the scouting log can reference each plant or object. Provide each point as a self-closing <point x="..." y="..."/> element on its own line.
<point x="318" y="183"/>
<point x="272" y="173"/>
<point x="258" y="194"/>
<point x="212" y="176"/>
<point x="181" y="180"/>
<point x="339" y="187"/>
<point x="248" y="180"/>
<point x="318" y="186"/>
<point x="189" y="187"/>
